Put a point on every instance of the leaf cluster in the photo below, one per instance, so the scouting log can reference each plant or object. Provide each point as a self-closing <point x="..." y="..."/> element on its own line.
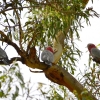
<point x="11" y="81"/>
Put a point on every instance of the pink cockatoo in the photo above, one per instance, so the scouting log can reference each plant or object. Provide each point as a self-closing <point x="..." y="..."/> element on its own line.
<point x="94" y="52"/>
<point x="47" y="56"/>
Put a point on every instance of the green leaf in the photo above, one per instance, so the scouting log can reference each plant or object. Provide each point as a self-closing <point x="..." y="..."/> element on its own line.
<point x="16" y="93"/>
<point x="1" y="93"/>
<point x="20" y="77"/>
<point x="12" y="21"/>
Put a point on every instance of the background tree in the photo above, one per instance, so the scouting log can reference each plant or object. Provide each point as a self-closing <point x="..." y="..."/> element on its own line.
<point x="47" y="21"/>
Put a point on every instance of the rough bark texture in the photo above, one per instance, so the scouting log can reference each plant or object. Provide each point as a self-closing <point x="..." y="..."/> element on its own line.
<point x="60" y="76"/>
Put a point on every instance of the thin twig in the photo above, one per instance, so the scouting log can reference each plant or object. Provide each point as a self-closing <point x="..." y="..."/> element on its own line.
<point x="36" y="71"/>
<point x="20" y="30"/>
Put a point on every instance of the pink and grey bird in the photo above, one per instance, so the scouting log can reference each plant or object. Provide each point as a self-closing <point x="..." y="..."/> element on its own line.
<point x="47" y="56"/>
<point x="94" y="52"/>
<point x="4" y="57"/>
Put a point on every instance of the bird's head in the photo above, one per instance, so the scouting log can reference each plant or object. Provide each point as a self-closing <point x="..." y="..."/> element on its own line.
<point x="50" y="49"/>
<point x="90" y="46"/>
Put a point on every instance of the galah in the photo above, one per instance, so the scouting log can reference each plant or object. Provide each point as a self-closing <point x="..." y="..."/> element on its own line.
<point x="47" y="56"/>
<point x="4" y="57"/>
<point x="94" y="52"/>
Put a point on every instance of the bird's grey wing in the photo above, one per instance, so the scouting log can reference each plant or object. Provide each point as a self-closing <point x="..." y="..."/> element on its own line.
<point x="4" y="57"/>
<point x="43" y="55"/>
<point x="95" y="53"/>
<point x="2" y="53"/>
<point x="51" y="56"/>
<point x="47" y="55"/>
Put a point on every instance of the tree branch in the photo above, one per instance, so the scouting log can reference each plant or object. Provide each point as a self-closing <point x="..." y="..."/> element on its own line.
<point x="60" y="76"/>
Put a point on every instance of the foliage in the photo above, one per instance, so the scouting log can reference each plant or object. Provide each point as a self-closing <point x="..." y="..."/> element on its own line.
<point x="11" y="80"/>
<point x="91" y="78"/>
<point x="54" y="92"/>
<point x="12" y="86"/>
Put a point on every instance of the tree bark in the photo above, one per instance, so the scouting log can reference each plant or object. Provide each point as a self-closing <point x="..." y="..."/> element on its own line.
<point x="60" y="76"/>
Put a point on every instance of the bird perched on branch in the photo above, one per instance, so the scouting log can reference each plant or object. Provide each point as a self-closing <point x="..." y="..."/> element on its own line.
<point x="4" y="57"/>
<point x="47" y="56"/>
<point x="94" y="52"/>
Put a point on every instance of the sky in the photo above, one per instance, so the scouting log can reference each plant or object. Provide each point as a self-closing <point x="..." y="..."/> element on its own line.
<point x="89" y="34"/>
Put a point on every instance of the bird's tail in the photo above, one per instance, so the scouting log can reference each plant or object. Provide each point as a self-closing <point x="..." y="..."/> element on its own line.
<point x="48" y="63"/>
